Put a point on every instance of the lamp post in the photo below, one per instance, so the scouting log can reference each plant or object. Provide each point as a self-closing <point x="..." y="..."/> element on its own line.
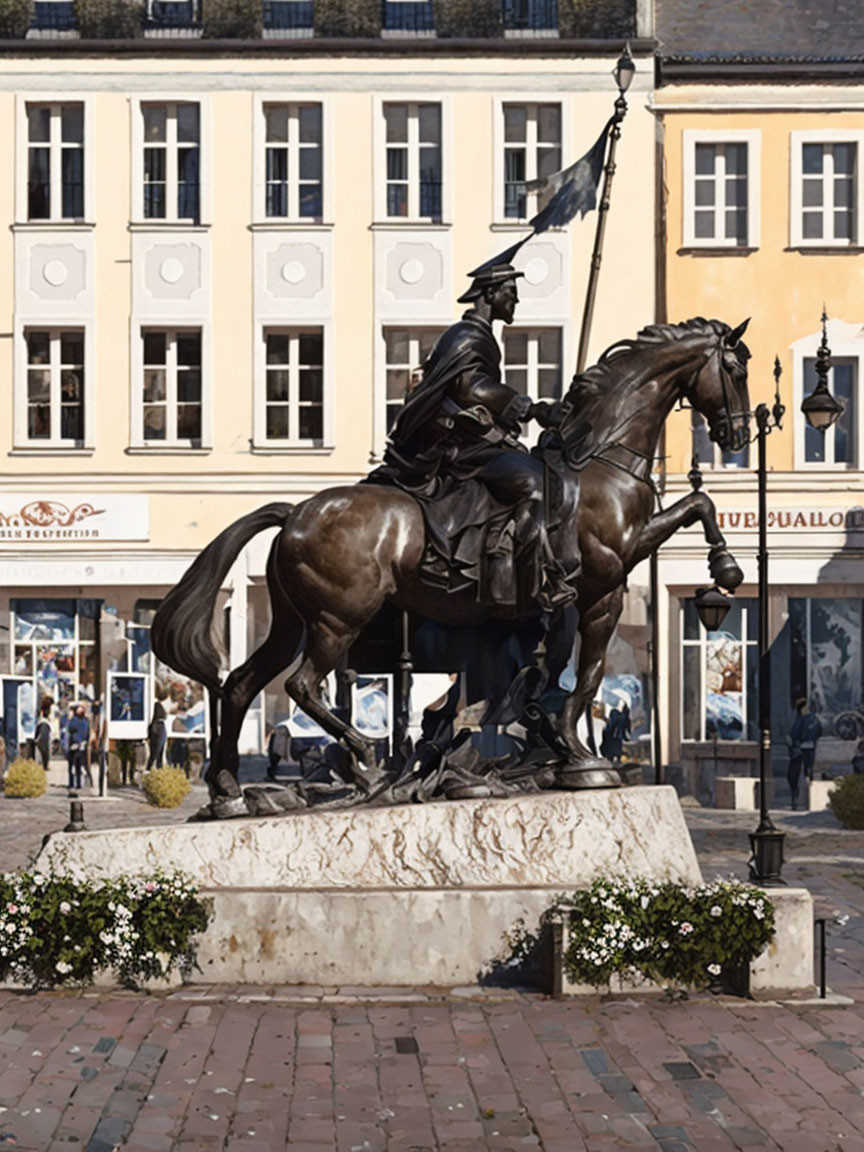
<point x="623" y="73"/>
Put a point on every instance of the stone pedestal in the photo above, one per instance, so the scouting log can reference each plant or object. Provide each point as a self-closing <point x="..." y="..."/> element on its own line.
<point x="817" y="794"/>
<point x="417" y="894"/>
<point x="740" y="792"/>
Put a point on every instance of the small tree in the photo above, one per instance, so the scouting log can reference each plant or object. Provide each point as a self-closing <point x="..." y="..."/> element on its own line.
<point x="469" y="19"/>
<point x="360" y="19"/>
<point x="15" y="17"/>
<point x="597" y="19"/>
<point x="846" y="800"/>
<point x="109" y="19"/>
<point x="232" y="20"/>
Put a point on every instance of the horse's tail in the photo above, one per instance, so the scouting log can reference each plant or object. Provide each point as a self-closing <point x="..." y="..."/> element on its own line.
<point x="181" y="633"/>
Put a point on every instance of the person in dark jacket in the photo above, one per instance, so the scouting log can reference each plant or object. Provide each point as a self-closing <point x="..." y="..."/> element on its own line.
<point x="157" y="737"/>
<point x="78" y="735"/>
<point x="617" y="730"/>
<point x="803" y="736"/>
<point x="42" y="735"/>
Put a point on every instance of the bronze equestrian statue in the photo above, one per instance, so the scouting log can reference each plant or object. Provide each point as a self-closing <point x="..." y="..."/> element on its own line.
<point x="345" y="551"/>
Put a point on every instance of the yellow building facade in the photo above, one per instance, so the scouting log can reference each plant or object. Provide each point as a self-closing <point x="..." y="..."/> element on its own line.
<point x="762" y="218"/>
<point x="222" y="270"/>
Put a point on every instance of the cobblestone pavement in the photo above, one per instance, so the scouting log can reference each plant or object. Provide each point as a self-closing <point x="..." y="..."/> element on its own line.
<point x="387" y="1070"/>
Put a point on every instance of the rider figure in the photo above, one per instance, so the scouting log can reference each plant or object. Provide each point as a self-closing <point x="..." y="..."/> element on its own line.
<point x="462" y="421"/>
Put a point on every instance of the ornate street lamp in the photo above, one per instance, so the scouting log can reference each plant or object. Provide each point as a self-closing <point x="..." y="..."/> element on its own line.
<point x="820" y="408"/>
<point x="623" y="73"/>
<point x="711" y="607"/>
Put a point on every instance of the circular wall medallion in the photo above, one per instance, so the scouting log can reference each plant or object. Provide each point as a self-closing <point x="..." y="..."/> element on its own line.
<point x="171" y="270"/>
<point x="411" y="271"/>
<point x="293" y="272"/>
<point x="55" y="273"/>
<point x="536" y="271"/>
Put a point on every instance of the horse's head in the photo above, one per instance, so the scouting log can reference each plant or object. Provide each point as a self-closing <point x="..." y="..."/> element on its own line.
<point x="718" y="389"/>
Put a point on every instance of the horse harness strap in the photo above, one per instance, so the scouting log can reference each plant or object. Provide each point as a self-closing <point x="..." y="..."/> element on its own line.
<point x="635" y="464"/>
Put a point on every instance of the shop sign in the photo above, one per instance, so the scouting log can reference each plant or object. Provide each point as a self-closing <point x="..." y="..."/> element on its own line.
<point x="33" y="518"/>
<point x="793" y="520"/>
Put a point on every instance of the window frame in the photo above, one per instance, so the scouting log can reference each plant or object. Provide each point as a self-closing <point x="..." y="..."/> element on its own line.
<point x="170" y="220"/>
<point x="413" y="329"/>
<point x="532" y="101"/>
<point x="260" y="442"/>
<point x="173" y="325"/>
<point x="259" y="163"/>
<point x="53" y="444"/>
<point x="752" y="139"/>
<point x="531" y="432"/>
<point x="700" y="643"/>
<point x="717" y="463"/>
<point x="54" y="100"/>
<point x="797" y="140"/>
<point x="846" y="344"/>
<point x="380" y="162"/>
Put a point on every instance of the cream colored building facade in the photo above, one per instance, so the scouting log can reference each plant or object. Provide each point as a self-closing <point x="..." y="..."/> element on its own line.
<point x="763" y="219"/>
<point x="221" y="270"/>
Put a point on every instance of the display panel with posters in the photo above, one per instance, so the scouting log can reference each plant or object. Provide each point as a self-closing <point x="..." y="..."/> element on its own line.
<point x="372" y="705"/>
<point x="184" y="701"/>
<point x="128" y="711"/>
<point x="18" y="709"/>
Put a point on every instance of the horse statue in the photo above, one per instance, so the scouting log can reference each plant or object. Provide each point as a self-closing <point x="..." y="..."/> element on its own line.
<point x="345" y="551"/>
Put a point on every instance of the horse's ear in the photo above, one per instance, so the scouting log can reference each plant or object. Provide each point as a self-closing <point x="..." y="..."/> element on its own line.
<point x="736" y="334"/>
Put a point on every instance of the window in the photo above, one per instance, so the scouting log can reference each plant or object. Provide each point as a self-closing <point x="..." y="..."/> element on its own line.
<point x="171" y="16"/>
<point x="530" y="17"/>
<point x="532" y="361"/>
<point x="413" y="161"/>
<point x="294" y="385"/>
<point x="711" y="455"/>
<point x="171" y="170"/>
<point x="55" y="644"/>
<point x="827" y="656"/>
<point x="406" y="350"/>
<point x="415" y="16"/>
<point x="721" y="189"/>
<point x="55" y="161"/>
<point x="838" y="445"/>
<point x="720" y="674"/>
<point x="172" y="386"/>
<point x="825" y="195"/>
<point x="53" y="18"/>
<point x="292" y="18"/>
<point x="293" y="161"/>
<point x="55" y="387"/>
<point x="532" y="149"/>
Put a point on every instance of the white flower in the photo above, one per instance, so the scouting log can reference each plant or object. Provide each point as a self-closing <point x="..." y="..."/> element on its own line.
<point x="10" y="927"/>
<point x="715" y="910"/>
<point x="65" y="907"/>
<point x="644" y="901"/>
<point x="714" y="969"/>
<point x="63" y="968"/>
<point x="686" y="928"/>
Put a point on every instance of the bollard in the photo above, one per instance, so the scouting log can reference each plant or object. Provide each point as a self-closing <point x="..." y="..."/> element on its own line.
<point x="76" y="817"/>
<point x="820" y="924"/>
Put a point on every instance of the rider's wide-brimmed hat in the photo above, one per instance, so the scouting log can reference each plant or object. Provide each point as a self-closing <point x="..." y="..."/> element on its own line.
<point x="494" y="271"/>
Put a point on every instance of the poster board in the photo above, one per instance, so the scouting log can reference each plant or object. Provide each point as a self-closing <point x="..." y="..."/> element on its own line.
<point x="18" y="712"/>
<point x="128" y="705"/>
<point x="372" y="705"/>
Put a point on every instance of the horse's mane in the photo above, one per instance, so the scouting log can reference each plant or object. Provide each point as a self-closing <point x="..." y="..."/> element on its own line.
<point x="590" y="391"/>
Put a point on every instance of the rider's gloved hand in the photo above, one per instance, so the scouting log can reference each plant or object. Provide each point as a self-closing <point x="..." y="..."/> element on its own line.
<point x="547" y="415"/>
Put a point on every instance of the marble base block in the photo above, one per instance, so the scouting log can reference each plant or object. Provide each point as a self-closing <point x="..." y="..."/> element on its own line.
<point x="741" y="793"/>
<point x="416" y="894"/>
<point x="817" y="794"/>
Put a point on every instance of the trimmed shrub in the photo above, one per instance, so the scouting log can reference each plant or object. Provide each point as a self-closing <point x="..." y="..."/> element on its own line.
<point x="348" y="18"/>
<point x="15" y="17"/>
<point x="846" y="800"/>
<point x="25" y="778"/>
<point x="232" y="20"/>
<point x="165" y="787"/>
<point x="471" y="19"/>
<point x="597" y="19"/>
<point x="109" y="19"/>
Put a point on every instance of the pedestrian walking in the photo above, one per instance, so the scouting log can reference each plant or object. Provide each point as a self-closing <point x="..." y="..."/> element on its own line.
<point x="42" y="735"/>
<point x="617" y="730"/>
<point x="78" y="735"/>
<point x="157" y="737"/>
<point x="803" y="736"/>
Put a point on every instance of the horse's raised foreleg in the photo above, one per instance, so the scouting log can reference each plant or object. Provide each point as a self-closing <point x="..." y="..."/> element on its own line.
<point x="695" y="507"/>
<point x="597" y="623"/>
<point x="327" y="641"/>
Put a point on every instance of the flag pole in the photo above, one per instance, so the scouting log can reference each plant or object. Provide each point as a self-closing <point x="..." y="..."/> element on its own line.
<point x="623" y="74"/>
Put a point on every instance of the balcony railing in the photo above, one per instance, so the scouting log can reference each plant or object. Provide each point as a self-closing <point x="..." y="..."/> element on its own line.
<point x="168" y="18"/>
<point x="530" y="17"/>
<point x="408" y="16"/>
<point x="291" y="18"/>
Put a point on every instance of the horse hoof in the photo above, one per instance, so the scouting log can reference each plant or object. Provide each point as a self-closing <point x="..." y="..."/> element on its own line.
<point x="226" y="785"/>
<point x="724" y="571"/>
<point x="576" y="777"/>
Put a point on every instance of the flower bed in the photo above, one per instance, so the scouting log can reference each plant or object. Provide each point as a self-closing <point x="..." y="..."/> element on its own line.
<point x="57" y="930"/>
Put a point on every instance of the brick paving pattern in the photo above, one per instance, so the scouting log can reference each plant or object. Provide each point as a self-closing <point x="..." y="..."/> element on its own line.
<point x="354" y="1070"/>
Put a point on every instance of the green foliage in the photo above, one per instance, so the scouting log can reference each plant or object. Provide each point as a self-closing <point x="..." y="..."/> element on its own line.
<point x="348" y="18"/>
<point x="15" y="16"/>
<point x="57" y="930"/>
<point x="232" y="19"/>
<point x="165" y="787"/>
<point x="25" y="778"/>
<point x="109" y="19"/>
<point x="597" y="19"/>
<point x="846" y="800"/>
<point x="468" y="18"/>
<point x="669" y="933"/>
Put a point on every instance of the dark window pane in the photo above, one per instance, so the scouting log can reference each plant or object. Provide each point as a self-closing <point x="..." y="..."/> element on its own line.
<point x="278" y="348"/>
<point x="311" y="423"/>
<point x="38" y="184"/>
<point x="39" y="385"/>
<point x="187" y="183"/>
<point x="811" y="193"/>
<point x="277" y="422"/>
<point x="310" y="200"/>
<point x="38" y="347"/>
<point x="188" y="117"/>
<point x="736" y="159"/>
<point x="189" y="349"/>
<point x="844" y="158"/>
<point x="811" y="159"/>
<point x="72" y="421"/>
<point x="515" y="346"/>
<point x="276" y="116"/>
<point x="310" y="163"/>
<point x="397" y="163"/>
<point x="311" y="385"/>
<point x="189" y="385"/>
<point x="704" y="225"/>
<point x="277" y="164"/>
<point x="189" y="422"/>
<point x="154" y="385"/>
<point x="397" y="200"/>
<point x="155" y="123"/>
<point x="39" y="422"/>
<point x="73" y="182"/>
<point x="277" y="199"/>
<point x="517" y="378"/>
<point x="309" y="116"/>
<point x="515" y="123"/>
<point x="72" y="347"/>
<point x="38" y="124"/>
<point x="692" y="676"/>
<point x="429" y="117"/>
<point x="71" y="386"/>
<point x="549" y="383"/>
<point x="154" y="347"/>
<point x="311" y="348"/>
<point x="705" y="191"/>
<point x="278" y="384"/>
<point x="812" y="222"/>
<point x="706" y="159"/>
<point x="397" y="383"/>
<point x="396" y="122"/>
<point x="549" y="123"/>
<point x="72" y="124"/>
